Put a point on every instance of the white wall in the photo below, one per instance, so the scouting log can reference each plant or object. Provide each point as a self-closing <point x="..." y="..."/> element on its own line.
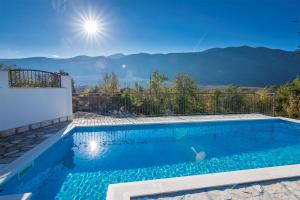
<point x="24" y="106"/>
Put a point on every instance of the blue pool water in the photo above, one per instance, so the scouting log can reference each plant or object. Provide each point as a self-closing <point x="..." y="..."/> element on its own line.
<point x="84" y="163"/>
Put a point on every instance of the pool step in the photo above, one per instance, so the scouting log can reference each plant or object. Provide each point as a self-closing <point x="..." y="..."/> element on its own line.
<point x="24" y="196"/>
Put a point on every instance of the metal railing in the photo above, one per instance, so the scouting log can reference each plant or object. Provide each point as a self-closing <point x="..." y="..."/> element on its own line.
<point x="174" y="104"/>
<point x="34" y="78"/>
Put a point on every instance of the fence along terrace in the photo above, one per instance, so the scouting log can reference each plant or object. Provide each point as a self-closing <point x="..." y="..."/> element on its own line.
<point x="34" y="78"/>
<point x="146" y="104"/>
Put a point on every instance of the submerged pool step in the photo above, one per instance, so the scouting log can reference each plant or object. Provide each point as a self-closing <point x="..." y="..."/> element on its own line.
<point x="25" y="170"/>
<point x="24" y="196"/>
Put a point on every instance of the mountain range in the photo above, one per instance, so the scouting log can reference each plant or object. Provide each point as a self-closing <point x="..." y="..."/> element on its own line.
<point x="241" y="66"/>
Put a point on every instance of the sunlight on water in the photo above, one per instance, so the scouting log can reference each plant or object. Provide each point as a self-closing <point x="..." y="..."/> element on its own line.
<point x="93" y="147"/>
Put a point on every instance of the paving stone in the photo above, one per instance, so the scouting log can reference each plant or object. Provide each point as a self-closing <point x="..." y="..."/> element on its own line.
<point x="201" y="195"/>
<point x="11" y="152"/>
<point x="9" y="145"/>
<point x="218" y="194"/>
<point x="16" y="141"/>
<point x="28" y="141"/>
<point x="31" y="136"/>
<point x="244" y="192"/>
<point x="292" y="185"/>
<point x="275" y="188"/>
<point x="12" y="149"/>
<point x="3" y="143"/>
<point x="46" y="135"/>
<point x="262" y="196"/>
<point x="296" y="193"/>
<point x="19" y="154"/>
<point x="24" y="149"/>
<point x="2" y="151"/>
<point x="283" y="196"/>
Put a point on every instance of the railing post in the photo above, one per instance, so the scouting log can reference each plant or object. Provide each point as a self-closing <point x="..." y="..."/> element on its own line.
<point x="215" y="102"/>
<point x="273" y="104"/>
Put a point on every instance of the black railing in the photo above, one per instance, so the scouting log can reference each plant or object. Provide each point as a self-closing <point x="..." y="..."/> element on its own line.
<point x="174" y="104"/>
<point x="34" y="78"/>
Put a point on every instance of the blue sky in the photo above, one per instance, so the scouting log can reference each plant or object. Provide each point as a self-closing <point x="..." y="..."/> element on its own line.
<point x="50" y="27"/>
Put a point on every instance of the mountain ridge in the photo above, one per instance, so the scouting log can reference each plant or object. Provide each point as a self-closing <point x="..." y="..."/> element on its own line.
<point x="241" y="66"/>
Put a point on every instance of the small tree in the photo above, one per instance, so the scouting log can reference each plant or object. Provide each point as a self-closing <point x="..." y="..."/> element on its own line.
<point x="287" y="99"/>
<point x="212" y="100"/>
<point x="158" y="92"/>
<point x="231" y="101"/>
<point x="292" y="107"/>
<point x="185" y="92"/>
<point x="110" y="83"/>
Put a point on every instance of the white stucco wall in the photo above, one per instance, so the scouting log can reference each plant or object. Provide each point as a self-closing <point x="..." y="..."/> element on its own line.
<point x="24" y="106"/>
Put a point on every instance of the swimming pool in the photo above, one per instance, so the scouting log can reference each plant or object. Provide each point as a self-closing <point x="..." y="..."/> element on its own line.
<point x="83" y="164"/>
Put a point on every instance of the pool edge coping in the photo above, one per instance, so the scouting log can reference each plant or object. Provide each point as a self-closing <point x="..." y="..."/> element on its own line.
<point x="126" y="191"/>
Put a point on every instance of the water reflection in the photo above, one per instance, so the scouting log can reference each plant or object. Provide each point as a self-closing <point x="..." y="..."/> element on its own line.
<point x="93" y="147"/>
<point x="88" y="145"/>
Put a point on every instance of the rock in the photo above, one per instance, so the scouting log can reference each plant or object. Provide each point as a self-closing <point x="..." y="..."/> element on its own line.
<point x="31" y="136"/>
<point x="9" y="145"/>
<point x="16" y="141"/>
<point x="11" y="152"/>
<point x="122" y="109"/>
<point x="115" y="112"/>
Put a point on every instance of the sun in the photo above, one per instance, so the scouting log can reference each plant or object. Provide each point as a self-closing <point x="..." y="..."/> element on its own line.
<point x="91" y="26"/>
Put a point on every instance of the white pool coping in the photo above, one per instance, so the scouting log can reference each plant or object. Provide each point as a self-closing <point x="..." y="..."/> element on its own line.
<point x="124" y="191"/>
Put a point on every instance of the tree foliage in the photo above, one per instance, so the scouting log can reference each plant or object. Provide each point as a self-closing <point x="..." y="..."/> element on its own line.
<point x="184" y="96"/>
<point x="288" y="99"/>
<point x="110" y="83"/>
<point x="185" y="90"/>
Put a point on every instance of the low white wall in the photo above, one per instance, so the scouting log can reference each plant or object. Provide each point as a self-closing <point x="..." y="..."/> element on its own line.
<point x="23" y="106"/>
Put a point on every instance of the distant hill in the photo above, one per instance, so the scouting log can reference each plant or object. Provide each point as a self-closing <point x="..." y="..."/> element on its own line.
<point x="241" y="66"/>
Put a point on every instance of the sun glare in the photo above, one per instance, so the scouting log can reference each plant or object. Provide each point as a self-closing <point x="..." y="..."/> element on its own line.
<point x="91" y="27"/>
<point x="93" y="146"/>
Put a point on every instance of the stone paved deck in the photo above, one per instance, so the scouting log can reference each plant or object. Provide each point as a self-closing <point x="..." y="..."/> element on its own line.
<point x="272" y="190"/>
<point x="14" y="146"/>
